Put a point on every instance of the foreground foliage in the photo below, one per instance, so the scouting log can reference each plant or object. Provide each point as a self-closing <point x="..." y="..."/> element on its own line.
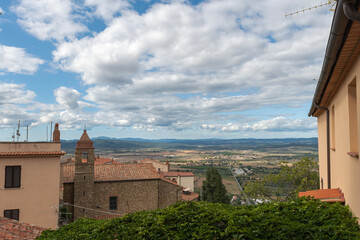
<point x="300" y="177"/>
<point x="297" y="219"/>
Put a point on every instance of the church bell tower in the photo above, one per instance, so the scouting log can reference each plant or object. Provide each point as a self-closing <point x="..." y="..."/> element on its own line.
<point x="84" y="177"/>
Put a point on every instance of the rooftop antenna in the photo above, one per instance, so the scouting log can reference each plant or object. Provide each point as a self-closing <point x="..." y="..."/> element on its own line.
<point x="328" y="2"/>
<point x="47" y="133"/>
<point x="13" y="135"/>
<point x="18" y="132"/>
<point x="51" y="132"/>
<point x="27" y="133"/>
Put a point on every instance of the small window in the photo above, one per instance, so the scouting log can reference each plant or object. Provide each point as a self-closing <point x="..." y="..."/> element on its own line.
<point x="113" y="203"/>
<point x="12" y="214"/>
<point x="12" y="176"/>
<point x="84" y="157"/>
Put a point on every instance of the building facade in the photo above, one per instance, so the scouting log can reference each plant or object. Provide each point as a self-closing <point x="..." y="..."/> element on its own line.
<point x="29" y="181"/>
<point x="336" y="105"/>
<point x="96" y="191"/>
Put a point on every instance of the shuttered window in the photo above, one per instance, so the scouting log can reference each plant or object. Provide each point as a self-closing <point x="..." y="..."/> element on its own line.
<point x="12" y="176"/>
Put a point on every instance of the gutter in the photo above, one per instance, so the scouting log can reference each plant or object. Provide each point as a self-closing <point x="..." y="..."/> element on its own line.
<point x="340" y="29"/>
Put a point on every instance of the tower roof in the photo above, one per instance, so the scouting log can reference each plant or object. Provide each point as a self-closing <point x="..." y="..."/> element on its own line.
<point x="85" y="141"/>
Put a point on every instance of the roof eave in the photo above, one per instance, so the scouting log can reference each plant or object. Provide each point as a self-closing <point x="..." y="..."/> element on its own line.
<point x="339" y="30"/>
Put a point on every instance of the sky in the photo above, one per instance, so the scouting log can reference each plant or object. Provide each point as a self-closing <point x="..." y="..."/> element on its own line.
<point x="186" y="69"/>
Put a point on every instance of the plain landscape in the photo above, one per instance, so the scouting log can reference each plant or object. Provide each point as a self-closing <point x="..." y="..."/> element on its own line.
<point x="249" y="159"/>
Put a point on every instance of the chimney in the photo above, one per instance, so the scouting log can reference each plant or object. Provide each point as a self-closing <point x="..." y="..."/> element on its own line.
<point x="56" y="133"/>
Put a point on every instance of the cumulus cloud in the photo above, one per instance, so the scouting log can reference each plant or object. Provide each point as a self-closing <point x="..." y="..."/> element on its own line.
<point x="179" y="66"/>
<point x="107" y="9"/>
<point x="16" y="60"/>
<point x="49" y="20"/>
<point x="67" y="97"/>
<point x="278" y="124"/>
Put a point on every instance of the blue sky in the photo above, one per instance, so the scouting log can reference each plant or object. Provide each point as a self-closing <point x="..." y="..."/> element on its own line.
<point x="160" y="69"/>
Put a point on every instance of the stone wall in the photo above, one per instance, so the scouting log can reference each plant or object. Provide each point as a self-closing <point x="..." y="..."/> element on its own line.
<point x="168" y="193"/>
<point x="132" y="195"/>
<point x="68" y="195"/>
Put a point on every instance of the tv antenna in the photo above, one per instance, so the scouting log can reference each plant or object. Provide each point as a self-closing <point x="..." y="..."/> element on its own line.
<point x="13" y="135"/>
<point x="18" y="132"/>
<point x="327" y="3"/>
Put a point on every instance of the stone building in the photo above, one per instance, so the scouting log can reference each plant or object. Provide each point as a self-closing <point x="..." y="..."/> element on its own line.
<point x="100" y="191"/>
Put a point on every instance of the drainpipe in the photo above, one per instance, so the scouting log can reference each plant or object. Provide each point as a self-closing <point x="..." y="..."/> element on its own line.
<point x="350" y="11"/>
<point x="327" y="142"/>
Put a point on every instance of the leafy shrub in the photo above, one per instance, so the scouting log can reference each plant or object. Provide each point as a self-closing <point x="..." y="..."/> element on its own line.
<point x="297" y="219"/>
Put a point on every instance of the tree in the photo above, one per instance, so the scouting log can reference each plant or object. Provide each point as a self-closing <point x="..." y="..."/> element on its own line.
<point x="213" y="188"/>
<point x="301" y="176"/>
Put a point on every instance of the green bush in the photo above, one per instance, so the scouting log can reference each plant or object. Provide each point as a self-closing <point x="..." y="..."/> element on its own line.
<point x="298" y="219"/>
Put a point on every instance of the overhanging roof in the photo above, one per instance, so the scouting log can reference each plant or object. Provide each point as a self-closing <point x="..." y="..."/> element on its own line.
<point x="341" y="52"/>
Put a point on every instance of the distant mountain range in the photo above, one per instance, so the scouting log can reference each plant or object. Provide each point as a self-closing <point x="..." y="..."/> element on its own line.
<point x="106" y="143"/>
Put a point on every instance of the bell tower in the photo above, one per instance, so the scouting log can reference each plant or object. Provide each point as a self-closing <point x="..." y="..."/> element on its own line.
<point x="84" y="177"/>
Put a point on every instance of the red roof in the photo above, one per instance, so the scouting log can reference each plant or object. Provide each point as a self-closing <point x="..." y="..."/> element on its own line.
<point x="175" y="174"/>
<point x="12" y="229"/>
<point x="26" y="154"/>
<point x="116" y="172"/>
<point x="325" y="195"/>
<point x="98" y="161"/>
<point x="190" y="196"/>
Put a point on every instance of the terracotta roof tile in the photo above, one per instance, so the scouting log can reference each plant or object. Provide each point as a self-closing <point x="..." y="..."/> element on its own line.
<point x="116" y="172"/>
<point x="190" y="197"/>
<point x="12" y="229"/>
<point x="5" y="154"/>
<point x="175" y="174"/>
<point x="325" y="195"/>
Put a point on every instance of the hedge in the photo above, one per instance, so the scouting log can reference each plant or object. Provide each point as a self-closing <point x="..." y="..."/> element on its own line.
<point x="298" y="219"/>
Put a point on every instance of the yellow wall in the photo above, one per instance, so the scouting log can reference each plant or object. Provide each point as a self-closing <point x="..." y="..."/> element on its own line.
<point x="38" y="197"/>
<point x="345" y="169"/>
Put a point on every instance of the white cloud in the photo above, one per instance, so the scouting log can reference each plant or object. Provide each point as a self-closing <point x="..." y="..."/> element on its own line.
<point x="278" y="124"/>
<point x="67" y="97"/>
<point x="16" y="60"/>
<point x="107" y="9"/>
<point x="179" y="66"/>
<point x="49" y="20"/>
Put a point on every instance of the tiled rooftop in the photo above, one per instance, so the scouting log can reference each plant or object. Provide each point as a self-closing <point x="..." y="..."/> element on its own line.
<point x="325" y="195"/>
<point x="5" y="154"/>
<point x="175" y="174"/>
<point x="116" y="172"/>
<point x="12" y="229"/>
<point x="190" y="196"/>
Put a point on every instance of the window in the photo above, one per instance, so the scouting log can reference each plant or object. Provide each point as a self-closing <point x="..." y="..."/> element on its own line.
<point x="353" y="128"/>
<point x="12" y="214"/>
<point x="84" y="157"/>
<point x="112" y="203"/>
<point x="12" y="176"/>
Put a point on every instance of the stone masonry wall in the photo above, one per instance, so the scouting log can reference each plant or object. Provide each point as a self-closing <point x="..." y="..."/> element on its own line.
<point x="68" y="196"/>
<point x="168" y="194"/>
<point x="132" y="195"/>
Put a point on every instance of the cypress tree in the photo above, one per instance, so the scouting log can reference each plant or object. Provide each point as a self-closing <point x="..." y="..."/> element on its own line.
<point x="213" y="189"/>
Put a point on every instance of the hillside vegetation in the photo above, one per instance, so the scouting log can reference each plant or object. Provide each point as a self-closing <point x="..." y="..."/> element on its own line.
<point x="297" y="219"/>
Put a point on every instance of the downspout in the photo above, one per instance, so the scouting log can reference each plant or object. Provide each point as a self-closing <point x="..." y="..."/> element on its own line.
<point x="327" y="143"/>
<point x="350" y="11"/>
